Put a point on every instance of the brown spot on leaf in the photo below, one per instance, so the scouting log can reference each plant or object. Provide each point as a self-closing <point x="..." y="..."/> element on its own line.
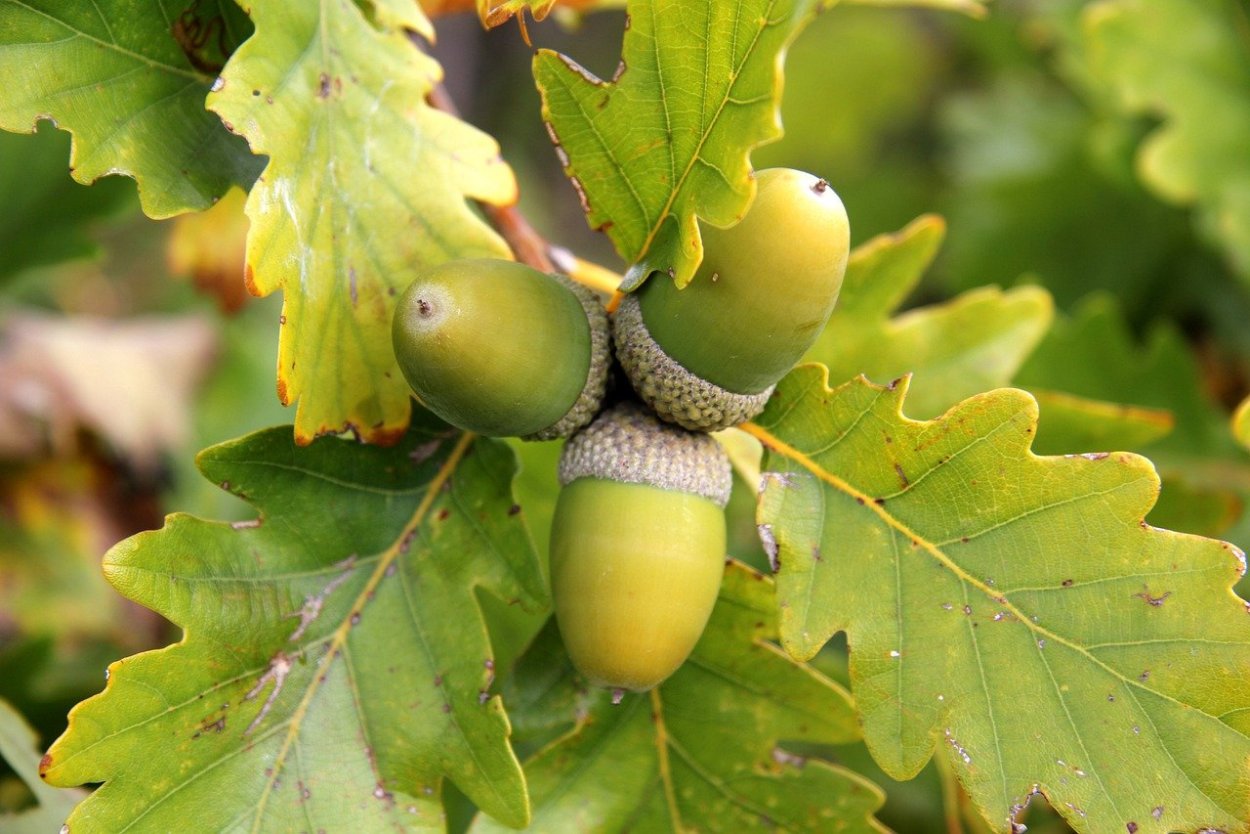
<point x="1151" y="599"/>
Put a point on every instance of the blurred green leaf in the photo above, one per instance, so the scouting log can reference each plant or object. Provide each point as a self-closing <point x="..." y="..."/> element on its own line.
<point x="335" y="666"/>
<point x="962" y="347"/>
<point x="1091" y="358"/>
<point x="47" y="217"/>
<point x="1078" y="424"/>
<point x="19" y="746"/>
<point x="668" y="139"/>
<point x="128" y="80"/>
<point x="702" y="752"/>
<point x="1186" y="62"/>
<point x="366" y="184"/>
<point x="1012" y="610"/>
<point x="1093" y="354"/>
<point x="1030" y="199"/>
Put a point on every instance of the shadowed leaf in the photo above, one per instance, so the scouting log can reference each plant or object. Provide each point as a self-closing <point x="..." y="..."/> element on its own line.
<point x="334" y="666"/>
<point x="702" y="752"/>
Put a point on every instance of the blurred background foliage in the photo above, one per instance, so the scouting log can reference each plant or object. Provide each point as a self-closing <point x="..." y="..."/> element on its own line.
<point x="128" y="344"/>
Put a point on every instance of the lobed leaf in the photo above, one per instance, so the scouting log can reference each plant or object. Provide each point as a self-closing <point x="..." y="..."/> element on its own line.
<point x="366" y="184"/>
<point x="1014" y="611"/>
<point x="334" y="666"/>
<point x="970" y="344"/>
<point x="1188" y="64"/>
<point x="667" y="140"/>
<point x="704" y="751"/>
<point x="128" y="79"/>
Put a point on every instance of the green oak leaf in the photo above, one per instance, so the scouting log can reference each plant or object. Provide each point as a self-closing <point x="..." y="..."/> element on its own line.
<point x="334" y="666"/>
<point x="703" y="751"/>
<point x="667" y="140"/>
<point x="19" y="747"/>
<point x="366" y="184"/>
<point x="962" y="347"/>
<point x="128" y="79"/>
<point x="1186" y="62"/>
<point x="1012" y="610"/>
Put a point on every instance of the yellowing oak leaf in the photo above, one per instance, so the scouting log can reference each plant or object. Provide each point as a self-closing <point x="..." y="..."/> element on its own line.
<point x="209" y="247"/>
<point x="366" y="183"/>
<point x="1012" y="612"/>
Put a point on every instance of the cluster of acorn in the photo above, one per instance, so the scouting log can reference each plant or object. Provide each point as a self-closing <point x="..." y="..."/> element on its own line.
<point x="638" y="537"/>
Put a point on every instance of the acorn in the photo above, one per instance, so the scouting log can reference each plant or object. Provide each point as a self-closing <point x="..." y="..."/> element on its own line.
<point x="498" y="348"/>
<point x="637" y="545"/>
<point x="707" y="357"/>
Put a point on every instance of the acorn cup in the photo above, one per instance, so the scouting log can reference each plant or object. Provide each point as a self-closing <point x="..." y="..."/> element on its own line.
<point x="637" y="546"/>
<point x="498" y="348"/>
<point x="707" y="357"/>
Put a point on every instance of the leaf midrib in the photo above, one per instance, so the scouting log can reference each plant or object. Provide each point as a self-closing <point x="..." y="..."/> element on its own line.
<point x="680" y="183"/>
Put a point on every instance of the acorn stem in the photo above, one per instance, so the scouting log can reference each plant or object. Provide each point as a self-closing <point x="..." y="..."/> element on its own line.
<point x="598" y="278"/>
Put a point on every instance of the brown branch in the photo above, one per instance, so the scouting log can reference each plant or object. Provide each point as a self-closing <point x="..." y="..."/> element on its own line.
<point x="526" y="244"/>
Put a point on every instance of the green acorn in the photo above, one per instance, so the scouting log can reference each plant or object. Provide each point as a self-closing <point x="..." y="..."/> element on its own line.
<point x="637" y="545"/>
<point x="501" y="349"/>
<point x="707" y="357"/>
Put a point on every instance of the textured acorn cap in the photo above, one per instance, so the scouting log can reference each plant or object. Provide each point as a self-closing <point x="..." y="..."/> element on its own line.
<point x="590" y="400"/>
<point x="675" y="393"/>
<point x="628" y="444"/>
